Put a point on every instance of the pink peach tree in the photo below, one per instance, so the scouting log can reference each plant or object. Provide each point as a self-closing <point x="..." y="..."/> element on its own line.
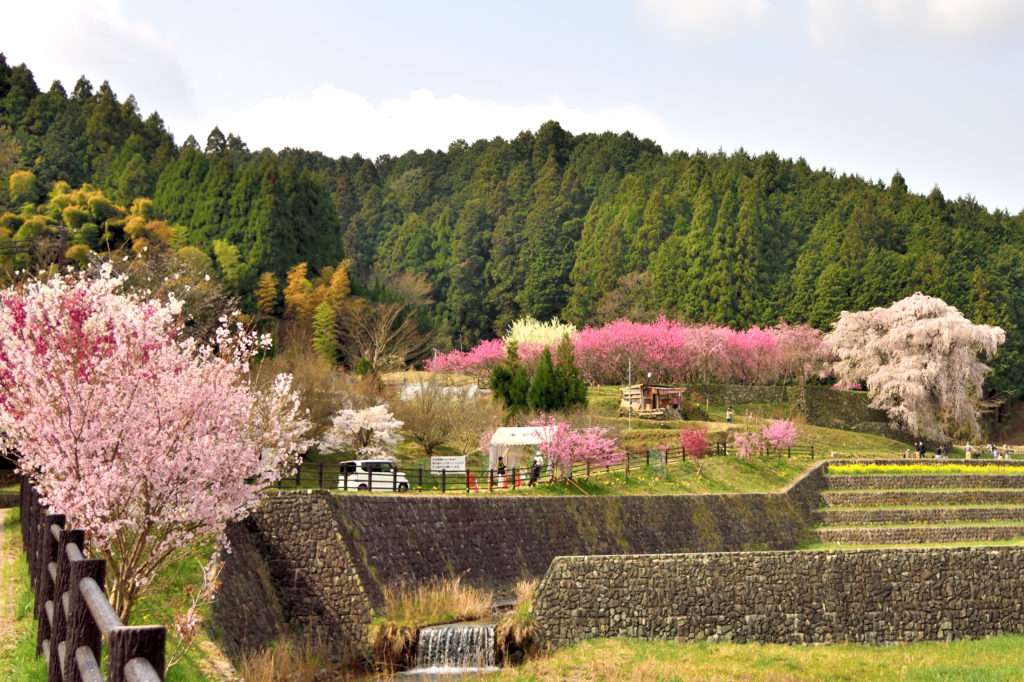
<point x="145" y="438"/>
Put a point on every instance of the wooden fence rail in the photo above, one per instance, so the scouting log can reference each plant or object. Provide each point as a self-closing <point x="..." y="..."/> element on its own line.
<point x="74" y="615"/>
<point x="331" y="477"/>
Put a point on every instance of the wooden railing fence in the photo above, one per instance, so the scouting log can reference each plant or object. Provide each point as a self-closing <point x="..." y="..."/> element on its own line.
<point x="74" y="615"/>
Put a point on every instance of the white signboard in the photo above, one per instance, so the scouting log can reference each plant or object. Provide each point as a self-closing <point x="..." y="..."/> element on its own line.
<point x="447" y="463"/>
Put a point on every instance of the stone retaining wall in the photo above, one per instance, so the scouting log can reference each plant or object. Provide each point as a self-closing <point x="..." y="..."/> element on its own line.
<point x="906" y="498"/>
<point x="920" y="481"/>
<point x="844" y="517"/>
<point x="319" y="560"/>
<point x="907" y="535"/>
<point x="294" y="571"/>
<point x="874" y="596"/>
<point x="9" y="500"/>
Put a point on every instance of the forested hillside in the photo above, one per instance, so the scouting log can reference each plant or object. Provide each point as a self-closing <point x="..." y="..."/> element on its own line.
<point x="588" y="227"/>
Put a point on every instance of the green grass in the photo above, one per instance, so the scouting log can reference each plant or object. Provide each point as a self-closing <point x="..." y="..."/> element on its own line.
<point x="813" y="545"/>
<point x="18" y="662"/>
<point x="17" y="646"/>
<point x="867" y="469"/>
<point x="993" y="658"/>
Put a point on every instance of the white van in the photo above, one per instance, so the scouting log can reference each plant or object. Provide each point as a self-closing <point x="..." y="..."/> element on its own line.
<point x="378" y="475"/>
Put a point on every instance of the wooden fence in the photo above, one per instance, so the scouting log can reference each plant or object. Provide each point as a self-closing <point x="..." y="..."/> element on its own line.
<point x="329" y="476"/>
<point x="74" y="615"/>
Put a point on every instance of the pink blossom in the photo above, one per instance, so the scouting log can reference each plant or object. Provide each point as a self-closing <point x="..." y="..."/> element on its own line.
<point x="564" y="446"/>
<point x="145" y="439"/>
<point x="780" y="433"/>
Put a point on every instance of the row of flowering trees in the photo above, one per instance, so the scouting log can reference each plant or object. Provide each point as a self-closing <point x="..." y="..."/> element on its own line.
<point x="670" y="351"/>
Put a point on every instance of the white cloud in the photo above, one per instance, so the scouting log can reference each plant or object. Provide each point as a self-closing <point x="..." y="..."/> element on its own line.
<point x="835" y="23"/>
<point x="708" y="19"/>
<point x="101" y="43"/>
<point x="339" y="122"/>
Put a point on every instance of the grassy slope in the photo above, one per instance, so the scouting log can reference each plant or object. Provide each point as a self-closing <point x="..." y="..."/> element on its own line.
<point x="994" y="658"/>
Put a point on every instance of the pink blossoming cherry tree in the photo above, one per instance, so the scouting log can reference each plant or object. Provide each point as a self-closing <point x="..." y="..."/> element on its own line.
<point x="145" y="438"/>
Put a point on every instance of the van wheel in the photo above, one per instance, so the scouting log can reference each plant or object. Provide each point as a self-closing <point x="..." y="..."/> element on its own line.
<point x="362" y="486"/>
<point x="403" y="487"/>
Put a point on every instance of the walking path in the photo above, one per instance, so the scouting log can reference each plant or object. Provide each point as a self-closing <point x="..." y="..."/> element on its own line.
<point x="8" y="555"/>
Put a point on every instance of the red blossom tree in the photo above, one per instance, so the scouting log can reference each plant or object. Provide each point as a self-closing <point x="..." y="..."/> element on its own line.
<point x="143" y="437"/>
<point x="694" y="443"/>
<point x="919" y="360"/>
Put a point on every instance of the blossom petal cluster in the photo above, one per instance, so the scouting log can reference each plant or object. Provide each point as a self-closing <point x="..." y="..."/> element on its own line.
<point x="565" y="446"/>
<point x="128" y="428"/>
<point x="671" y="352"/>
<point x="370" y="432"/>
<point x="919" y="358"/>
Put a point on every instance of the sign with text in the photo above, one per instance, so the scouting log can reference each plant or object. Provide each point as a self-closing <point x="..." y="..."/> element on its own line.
<point x="447" y="463"/>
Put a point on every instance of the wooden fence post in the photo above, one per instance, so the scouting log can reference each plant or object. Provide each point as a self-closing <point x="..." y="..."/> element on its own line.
<point x="44" y="588"/>
<point x="58" y="628"/>
<point x="82" y="629"/>
<point x="126" y="643"/>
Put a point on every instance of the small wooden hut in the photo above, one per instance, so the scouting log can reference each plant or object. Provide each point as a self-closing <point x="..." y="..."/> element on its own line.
<point x="651" y="401"/>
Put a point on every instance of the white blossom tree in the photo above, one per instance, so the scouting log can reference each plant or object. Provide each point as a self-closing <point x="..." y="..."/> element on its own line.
<point x="371" y="432"/>
<point x="920" y="361"/>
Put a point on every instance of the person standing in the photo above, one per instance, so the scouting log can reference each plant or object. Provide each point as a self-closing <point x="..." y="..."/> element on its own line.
<point x="501" y="471"/>
<point x="968" y="451"/>
<point x="538" y="462"/>
<point x="728" y="415"/>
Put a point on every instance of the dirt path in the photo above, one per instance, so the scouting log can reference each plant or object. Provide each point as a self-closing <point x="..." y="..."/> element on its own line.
<point x="9" y="549"/>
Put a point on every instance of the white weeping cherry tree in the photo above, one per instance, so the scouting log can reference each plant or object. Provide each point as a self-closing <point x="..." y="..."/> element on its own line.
<point x="920" y="359"/>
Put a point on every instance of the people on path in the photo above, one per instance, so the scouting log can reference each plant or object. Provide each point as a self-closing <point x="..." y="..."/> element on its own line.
<point x="501" y="471"/>
<point x="968" y="451"/>
<point x="920" y="449"/>
<point x="728" y="415"/>
<point x="538" y="462"/>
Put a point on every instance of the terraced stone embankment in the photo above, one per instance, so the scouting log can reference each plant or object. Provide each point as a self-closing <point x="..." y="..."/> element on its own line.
<point x="907" y="509"/>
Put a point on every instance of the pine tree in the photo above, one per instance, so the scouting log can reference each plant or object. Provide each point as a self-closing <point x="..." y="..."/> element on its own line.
<point x="573" y="389"/>
<point x="545" y="394"/>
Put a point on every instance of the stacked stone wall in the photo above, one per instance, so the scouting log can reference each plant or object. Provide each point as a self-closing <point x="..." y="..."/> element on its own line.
<point x="873" y="596"/>
<point x="841" y="517"/>
<point x="921" y="481"/>
<point x="295" y="568"/>
<point x="495" y="541"/>
<point x="903" y="498"/>
<point x="316" y="562"/>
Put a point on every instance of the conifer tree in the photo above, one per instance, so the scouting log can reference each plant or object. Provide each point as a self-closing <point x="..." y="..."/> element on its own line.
<point x="546" y="393"/>
<point x="568" y="375"/>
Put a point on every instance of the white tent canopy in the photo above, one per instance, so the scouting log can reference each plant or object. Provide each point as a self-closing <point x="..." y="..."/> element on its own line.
<point x="515" y="445"/>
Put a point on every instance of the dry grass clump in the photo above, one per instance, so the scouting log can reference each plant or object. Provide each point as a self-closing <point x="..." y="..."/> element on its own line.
<point x="290" y="660"/>
<point x="436" y="601"/>
<point x="516" y="632"/>
<point x="407" y="609"/>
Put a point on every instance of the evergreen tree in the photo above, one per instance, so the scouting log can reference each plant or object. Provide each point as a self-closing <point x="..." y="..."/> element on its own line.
<point x="567" y="375"/>
<point x="546" y="393"/>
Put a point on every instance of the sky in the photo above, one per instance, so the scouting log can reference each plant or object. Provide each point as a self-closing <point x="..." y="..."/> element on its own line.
<point x="929" y="88"/>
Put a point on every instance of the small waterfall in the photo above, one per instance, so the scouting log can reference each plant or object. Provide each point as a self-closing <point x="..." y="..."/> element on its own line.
<point x="460" y="647"/>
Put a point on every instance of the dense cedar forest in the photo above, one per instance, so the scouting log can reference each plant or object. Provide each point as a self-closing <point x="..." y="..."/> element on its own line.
<point x="587" y="227"/>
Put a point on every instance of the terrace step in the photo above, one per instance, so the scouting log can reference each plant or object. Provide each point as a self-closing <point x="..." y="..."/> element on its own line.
<point x="930" y="498"/>
<point x="921" y="481"/>
<point x="905" y="535"/>
<point x="879" y="516"/>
